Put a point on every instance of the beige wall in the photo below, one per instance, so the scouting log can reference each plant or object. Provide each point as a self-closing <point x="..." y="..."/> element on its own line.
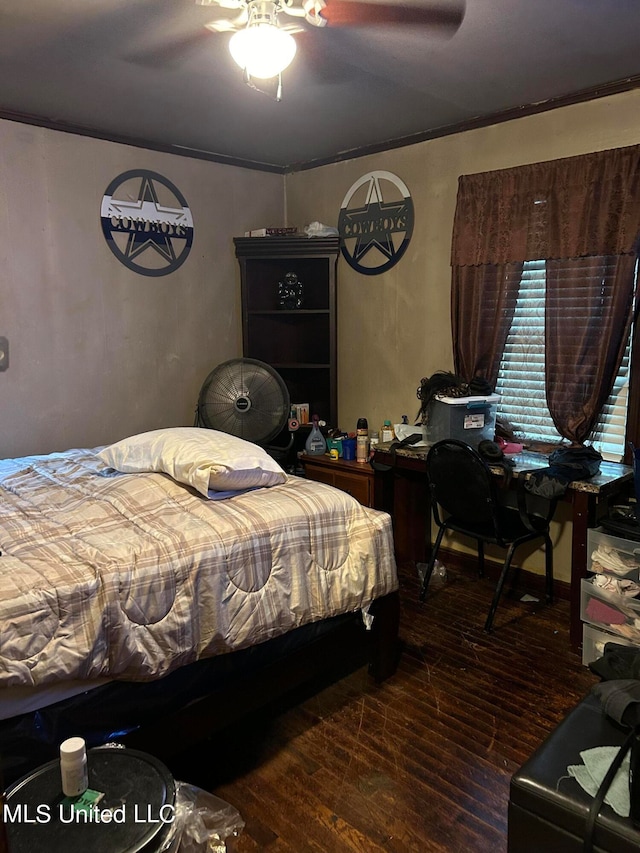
<point x="394" y="328"/>
<point x="97" y="351"/>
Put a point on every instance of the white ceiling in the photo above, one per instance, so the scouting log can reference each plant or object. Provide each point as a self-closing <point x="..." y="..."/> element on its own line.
<point x="148" y="71"/>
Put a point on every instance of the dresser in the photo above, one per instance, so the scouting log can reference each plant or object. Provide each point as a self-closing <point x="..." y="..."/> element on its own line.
<point x="355" y="478"/>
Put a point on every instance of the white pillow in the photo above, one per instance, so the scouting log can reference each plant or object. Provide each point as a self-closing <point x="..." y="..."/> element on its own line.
<point x="202" y="458"/>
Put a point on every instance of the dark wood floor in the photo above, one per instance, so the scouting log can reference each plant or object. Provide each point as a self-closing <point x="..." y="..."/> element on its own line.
<point x="420" y="763"/>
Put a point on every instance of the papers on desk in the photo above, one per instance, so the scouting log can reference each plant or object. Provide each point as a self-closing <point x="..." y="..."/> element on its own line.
<point x="405" y="430"/>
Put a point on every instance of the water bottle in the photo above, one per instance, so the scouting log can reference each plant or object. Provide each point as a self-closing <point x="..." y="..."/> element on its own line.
<point x="438" y="575"/>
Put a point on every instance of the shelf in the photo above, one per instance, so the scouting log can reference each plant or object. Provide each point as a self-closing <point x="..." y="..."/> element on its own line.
<point x="296" y="365"/>
<point x="286" y="338"/>
<point x="285" y="311"/>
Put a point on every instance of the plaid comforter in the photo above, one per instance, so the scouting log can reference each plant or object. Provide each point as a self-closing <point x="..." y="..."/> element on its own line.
<point x="133" y="575"/>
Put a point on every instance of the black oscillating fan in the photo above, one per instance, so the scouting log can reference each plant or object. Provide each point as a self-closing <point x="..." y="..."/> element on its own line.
<point x="249" y="399"/>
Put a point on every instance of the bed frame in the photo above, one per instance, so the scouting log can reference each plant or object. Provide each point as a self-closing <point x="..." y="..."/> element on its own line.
<point x="202" y="698"/>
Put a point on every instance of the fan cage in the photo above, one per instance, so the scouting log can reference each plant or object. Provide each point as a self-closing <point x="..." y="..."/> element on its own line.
<point x="246" y="398"/>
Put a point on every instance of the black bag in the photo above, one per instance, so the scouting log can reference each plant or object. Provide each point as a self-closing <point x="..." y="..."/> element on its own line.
<point x="414" y="438"/>
<point x="566" y="464"/>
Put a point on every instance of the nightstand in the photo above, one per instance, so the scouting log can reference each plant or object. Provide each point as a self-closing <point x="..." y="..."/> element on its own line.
<point x="355" y="478"/>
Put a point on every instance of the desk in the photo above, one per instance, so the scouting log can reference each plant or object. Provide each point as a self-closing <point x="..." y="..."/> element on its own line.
<point x="405" y="495"/>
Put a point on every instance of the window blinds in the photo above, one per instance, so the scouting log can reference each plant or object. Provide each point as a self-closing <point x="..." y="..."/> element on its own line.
<point x="521" y="378"/>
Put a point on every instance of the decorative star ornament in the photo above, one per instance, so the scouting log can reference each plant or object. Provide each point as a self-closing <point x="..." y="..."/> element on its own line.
<point x="378" y="228"/>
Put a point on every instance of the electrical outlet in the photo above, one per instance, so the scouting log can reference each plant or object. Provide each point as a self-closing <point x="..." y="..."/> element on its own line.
<point x="4" y="353"/>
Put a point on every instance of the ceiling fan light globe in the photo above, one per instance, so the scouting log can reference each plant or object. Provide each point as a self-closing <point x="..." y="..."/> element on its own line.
<point x="263" y="50"/>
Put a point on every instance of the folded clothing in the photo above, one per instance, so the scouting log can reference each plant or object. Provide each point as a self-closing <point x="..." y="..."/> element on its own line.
<point x="629" y="632"/>
<point x="613" y="560"/>
<point x="619" y="586"/>
<point x="600" y="611"/>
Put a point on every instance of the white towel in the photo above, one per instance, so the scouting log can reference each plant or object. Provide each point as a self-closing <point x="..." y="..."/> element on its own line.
<point x="590" y="774"/>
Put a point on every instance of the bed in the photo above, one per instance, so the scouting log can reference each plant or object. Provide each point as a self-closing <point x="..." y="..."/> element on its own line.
<point x="131" y="588"/>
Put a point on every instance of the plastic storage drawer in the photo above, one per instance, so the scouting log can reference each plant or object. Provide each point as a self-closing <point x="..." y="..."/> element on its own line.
<point x="594" y="641"/>
<point x="468" y="419"/>
<point x="619" y="614"/>
<point x="612" y="555"/>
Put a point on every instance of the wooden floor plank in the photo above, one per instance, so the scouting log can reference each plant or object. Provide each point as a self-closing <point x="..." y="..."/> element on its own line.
<point x="420" y="763"/>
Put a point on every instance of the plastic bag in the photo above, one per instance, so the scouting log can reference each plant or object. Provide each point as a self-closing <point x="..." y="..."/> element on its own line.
<point x="438" y="576"/>
<point x="202" y="822"/>
<point x="317" y="229"/>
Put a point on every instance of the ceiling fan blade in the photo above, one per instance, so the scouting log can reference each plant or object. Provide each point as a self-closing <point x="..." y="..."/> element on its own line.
<point x="229" y="25"/>
<point x="322" y="56"/>
<point x="224" y="4"/>
<point x="341" y="13"/>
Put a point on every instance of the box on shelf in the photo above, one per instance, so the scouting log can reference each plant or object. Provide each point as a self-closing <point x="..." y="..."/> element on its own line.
<point x="594" y="641"/>
<point x="469" y="419"/>
<point x="612" y="555"/>
<point x="619" y="614"/>
<point x="283" y="231"/>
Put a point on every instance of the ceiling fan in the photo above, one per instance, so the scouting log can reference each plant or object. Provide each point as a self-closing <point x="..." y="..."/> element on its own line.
<point x="263" y="44"/>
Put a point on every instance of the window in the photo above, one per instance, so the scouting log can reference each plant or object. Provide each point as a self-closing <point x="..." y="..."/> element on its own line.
<point x="521" y="378"/>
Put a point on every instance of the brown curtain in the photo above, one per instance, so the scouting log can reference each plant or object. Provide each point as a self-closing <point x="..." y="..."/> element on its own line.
<point x="483" y="303"/>
<point x="583" y="358"/>
<point x="570" y="208"/>
<point x="583" y="208"/>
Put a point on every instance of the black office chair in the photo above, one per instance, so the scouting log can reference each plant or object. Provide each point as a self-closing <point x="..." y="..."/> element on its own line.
<point x="463" y="486"/>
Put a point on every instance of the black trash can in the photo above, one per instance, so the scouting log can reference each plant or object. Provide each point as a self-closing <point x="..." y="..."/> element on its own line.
<point x="135" y="813"/>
